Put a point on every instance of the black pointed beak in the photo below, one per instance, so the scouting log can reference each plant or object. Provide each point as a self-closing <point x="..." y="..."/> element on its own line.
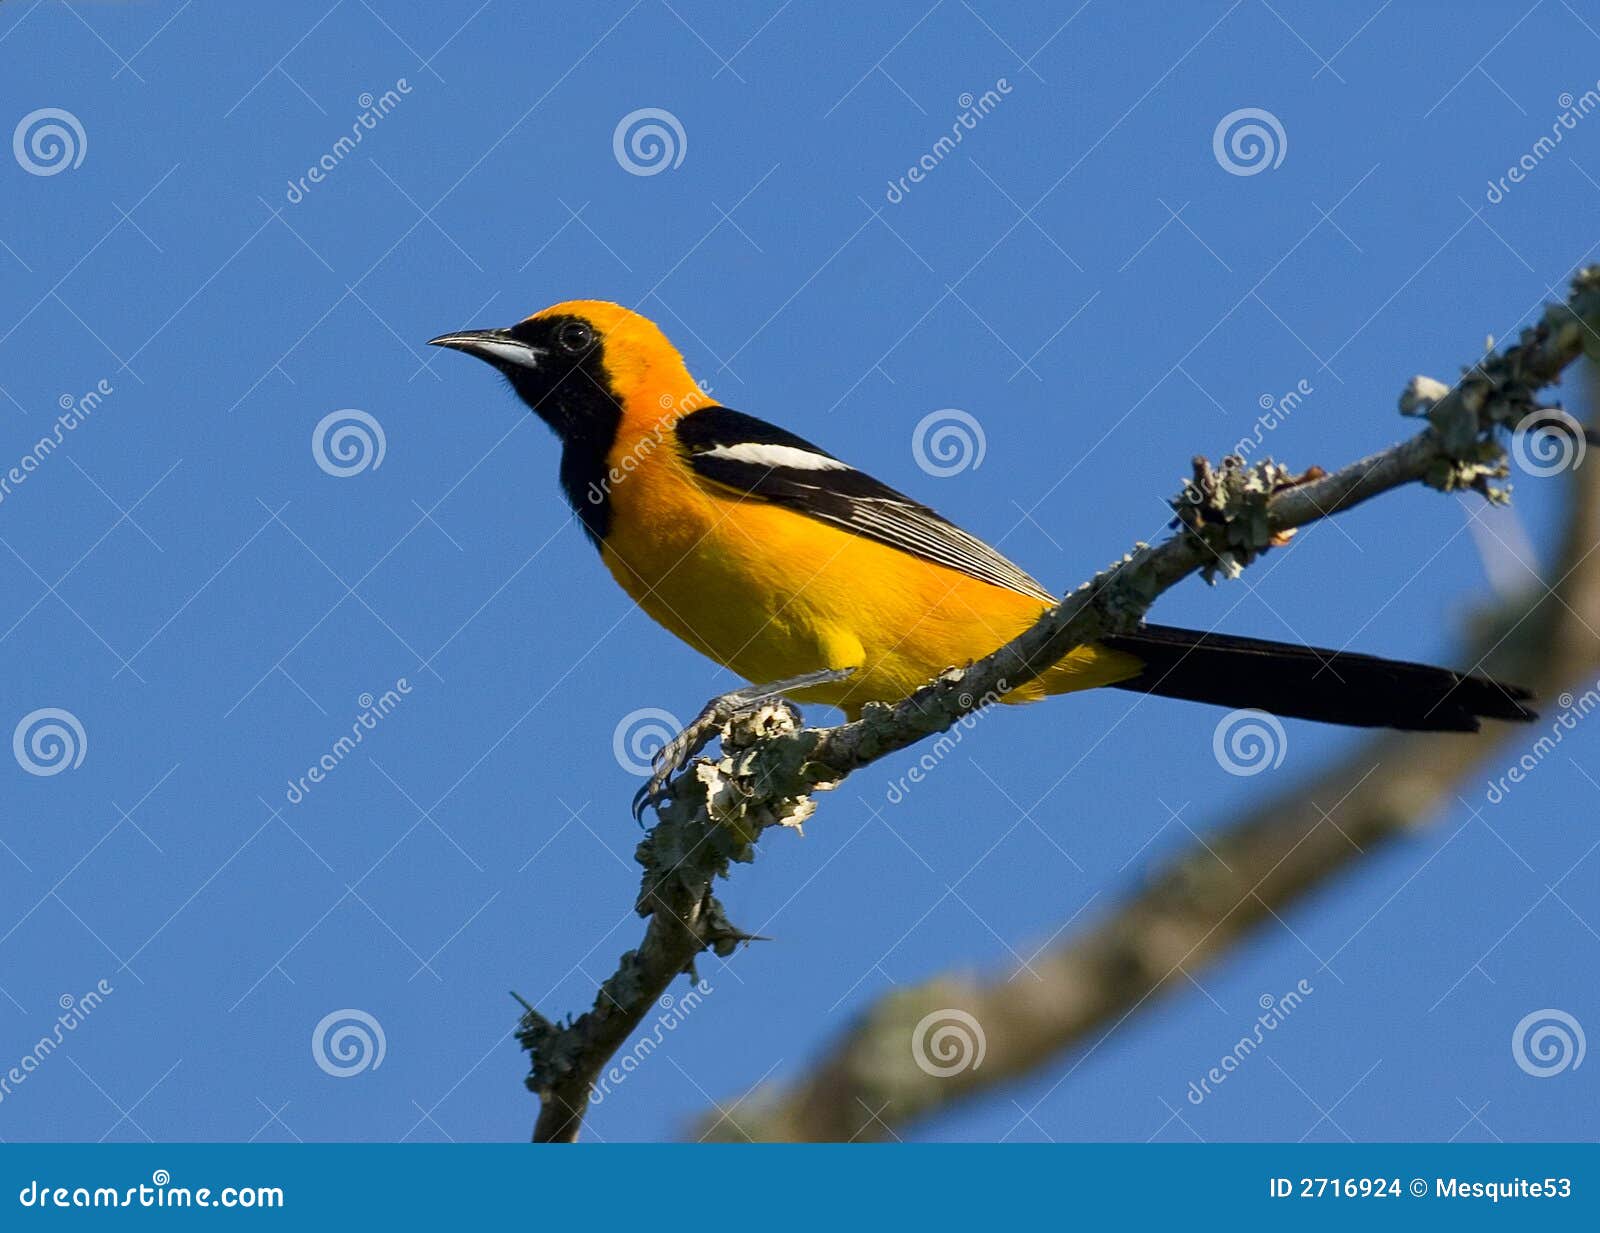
<point x="499" y="347"/>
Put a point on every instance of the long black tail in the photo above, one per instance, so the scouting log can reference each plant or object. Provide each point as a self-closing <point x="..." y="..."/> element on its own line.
<point x="1302" y="682"/>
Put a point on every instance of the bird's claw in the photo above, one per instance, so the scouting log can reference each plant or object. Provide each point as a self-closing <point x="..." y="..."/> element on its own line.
<point x="677" y="753"/>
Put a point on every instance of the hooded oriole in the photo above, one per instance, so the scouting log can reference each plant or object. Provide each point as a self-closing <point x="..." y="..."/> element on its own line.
<point x="780" y="561"/>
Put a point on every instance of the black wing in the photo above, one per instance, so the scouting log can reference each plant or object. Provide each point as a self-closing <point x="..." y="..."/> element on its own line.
<point x="763" y="461"/>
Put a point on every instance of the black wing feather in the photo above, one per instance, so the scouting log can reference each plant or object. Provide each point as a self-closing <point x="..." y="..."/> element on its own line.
<point x="839" y="495"/>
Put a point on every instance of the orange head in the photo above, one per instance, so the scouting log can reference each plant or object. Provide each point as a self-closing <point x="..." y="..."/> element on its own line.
<point x="586" y="367"/>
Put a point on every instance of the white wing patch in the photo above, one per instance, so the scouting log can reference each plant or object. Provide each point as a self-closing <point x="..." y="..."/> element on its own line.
<point x="764" y="455"/>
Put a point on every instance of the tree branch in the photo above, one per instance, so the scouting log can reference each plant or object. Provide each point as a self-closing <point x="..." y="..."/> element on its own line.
<point x="769" y="766"/>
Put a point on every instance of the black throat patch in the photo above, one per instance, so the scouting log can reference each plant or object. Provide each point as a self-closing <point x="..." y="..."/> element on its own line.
<point x="572" y="393"/>
<point x="586" y="479"/>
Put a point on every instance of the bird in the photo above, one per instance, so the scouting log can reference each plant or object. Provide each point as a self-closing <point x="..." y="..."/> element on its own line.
<point x="816" y="582"/>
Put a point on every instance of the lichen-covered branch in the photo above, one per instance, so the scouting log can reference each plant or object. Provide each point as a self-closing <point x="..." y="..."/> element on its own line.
<point x="769" y="766"/>
<point x="1196" y="908"/>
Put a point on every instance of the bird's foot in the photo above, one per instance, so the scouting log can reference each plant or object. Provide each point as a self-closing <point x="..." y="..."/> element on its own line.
<point x="699" y="732"/>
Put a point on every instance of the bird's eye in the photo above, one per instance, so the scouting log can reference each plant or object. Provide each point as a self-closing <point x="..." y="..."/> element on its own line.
<point x="575" y="337"/>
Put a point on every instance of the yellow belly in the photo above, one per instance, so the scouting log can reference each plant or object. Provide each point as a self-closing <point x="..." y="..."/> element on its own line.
<point x="771" y="594"/>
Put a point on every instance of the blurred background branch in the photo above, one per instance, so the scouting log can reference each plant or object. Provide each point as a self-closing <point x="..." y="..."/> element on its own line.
<point x="1198" y="909"/>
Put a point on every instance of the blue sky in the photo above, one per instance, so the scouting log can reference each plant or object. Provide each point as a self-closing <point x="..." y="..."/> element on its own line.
<point x="1081" y="276"/>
